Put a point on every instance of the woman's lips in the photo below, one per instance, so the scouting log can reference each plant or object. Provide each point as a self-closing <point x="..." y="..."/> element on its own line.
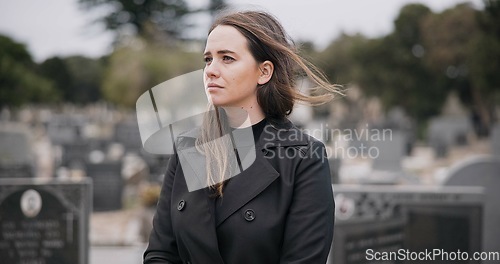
<point x="213" y="87"/>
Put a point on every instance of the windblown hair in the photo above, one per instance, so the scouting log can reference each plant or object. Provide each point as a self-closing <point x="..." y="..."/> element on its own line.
<point x="267" y="40"/>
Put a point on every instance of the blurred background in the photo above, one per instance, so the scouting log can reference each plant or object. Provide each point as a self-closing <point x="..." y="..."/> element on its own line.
<point x="71" y="72"/>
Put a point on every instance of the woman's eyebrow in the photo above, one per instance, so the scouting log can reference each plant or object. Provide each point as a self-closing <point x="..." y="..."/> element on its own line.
<point x="220" y="52"/>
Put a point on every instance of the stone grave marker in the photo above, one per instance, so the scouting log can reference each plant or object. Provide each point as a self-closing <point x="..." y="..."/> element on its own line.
<point x="390" y="148"/>
<point x="75" y="154"/>
<point x="127" y="133"/>
<point x="484" y="172"/>
<point x="64" y="128"/>
<point x="447" y="131"/>
<point x="108" y="185"/>
<point x="411" y="218"/>
<point x="44" y="221"/>
<point x="495" y="140"/>
<point x="387" y="153"/>
<point x="335" y="164"/>
<point x="16" y="156"/>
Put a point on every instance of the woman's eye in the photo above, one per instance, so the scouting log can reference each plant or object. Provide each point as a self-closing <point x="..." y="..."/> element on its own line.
<point x="227" y="58"/>
<point x="207" y="59"/>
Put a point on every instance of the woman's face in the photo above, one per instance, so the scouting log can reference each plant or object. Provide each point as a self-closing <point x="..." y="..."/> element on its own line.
<point x="231" y="73"/>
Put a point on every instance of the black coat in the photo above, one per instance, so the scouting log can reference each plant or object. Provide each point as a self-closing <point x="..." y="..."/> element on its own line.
<point x="279" y="210"/>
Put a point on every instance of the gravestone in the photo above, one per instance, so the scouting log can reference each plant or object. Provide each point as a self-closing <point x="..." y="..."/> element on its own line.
<point x="64" y="128"/>
<point x="335" y="164"/>
<point x="127" y="133"/>
<point x="75" y="154"/>
<point x="108" y="184"/>
<point x="390" y="149"/>
<point x="44" y="221"/>
<point x="387" y="152"/>
<point x="413" y="218"/>
<point x="495" y="140"/>
<point x="398" y="120"/>
<point x="16" y="156"/>
<point x="447" y="131"/>
<point x="485" y="172"/>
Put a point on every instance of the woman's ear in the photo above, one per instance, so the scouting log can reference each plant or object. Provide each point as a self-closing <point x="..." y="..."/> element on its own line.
<point x="266" y="72"/>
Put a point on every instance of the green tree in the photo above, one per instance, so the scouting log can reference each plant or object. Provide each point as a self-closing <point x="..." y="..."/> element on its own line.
<point x="77" y="78"/>
<point x="19" y="81"/>
<point x="393" y="67"/>
<point x="485" y="64"/>
<point x="337" y="60"/>
<point x="56" y="70"/>
<point x="151" y="19"/>
<point x="87" y="75"/>
<point x="146" y="16"/>
<point x="458" y="49"/>
<point x="132" y="71"/>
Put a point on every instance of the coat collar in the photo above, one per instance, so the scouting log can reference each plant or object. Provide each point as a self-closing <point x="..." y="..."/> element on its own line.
<point x="277" y="133"/>
<point x="248" y="184"/>
<point x="245" y="186"/>
<point x="280" y="133"/>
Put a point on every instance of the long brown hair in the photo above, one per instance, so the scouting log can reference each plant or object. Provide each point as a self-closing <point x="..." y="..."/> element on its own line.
<point x="267" y="40"/>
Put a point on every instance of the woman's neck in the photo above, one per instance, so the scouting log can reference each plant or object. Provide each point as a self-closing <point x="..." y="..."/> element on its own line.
<point x="241" y="117"/>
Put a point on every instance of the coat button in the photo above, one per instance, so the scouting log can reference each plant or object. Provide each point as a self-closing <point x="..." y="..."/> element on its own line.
<point x="181" y="205"/>
<point x="249" y="215"/>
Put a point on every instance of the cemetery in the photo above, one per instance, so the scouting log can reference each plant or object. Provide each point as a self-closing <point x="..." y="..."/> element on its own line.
<point x="74" y="185"/>
<point x="88" y="124"/>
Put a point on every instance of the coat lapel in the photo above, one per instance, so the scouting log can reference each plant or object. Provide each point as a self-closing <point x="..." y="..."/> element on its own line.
<point x="244" y="187"/>
<point x="260" y="174"/>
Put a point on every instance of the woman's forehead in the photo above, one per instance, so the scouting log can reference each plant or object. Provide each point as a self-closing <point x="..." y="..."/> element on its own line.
<point x="225" y="37"/>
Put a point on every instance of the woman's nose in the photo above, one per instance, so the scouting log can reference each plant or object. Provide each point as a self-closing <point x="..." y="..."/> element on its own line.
<point x="212" y="70"/>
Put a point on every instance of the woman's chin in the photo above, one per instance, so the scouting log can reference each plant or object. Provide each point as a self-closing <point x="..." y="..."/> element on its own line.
<point x="217" y="102"/>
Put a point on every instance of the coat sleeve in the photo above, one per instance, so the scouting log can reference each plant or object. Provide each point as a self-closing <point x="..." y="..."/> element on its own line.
<point x="309" y="225"/>
<point x="162" y="248"/>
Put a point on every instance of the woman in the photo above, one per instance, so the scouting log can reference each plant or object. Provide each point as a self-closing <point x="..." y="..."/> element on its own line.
<point x="279" y="209"/>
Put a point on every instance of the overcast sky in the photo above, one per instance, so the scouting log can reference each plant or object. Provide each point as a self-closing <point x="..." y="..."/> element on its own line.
<point x="59" y="27"/>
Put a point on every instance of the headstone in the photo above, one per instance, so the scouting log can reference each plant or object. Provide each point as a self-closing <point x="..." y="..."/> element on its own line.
<point x="65" y="128"/>
<point x="409" y="218"/>
<point x="447" y="131"/>
<point x="127" y="133"/>
<point x="398" y="120"/>
<point x="335" y="164"/>
<point x="107" y="185"/>
<point x="485" y="172"/>
<point x="389" y="149"/>
<point x="16" y="156"/>
<point x="75" y="154"/>
<point x="495" y="140"/>
<point x="44" y="222"/>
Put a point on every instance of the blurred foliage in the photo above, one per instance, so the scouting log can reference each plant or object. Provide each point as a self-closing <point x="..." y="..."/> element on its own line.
<point x="87" y="75"/>
<point x="150" y="194"/>
<point x="427" y="56"/>
<point x="19" y="81"/>
<point x="133" y="70"/>
<point x="76" y="78"/>
<point x="158" y="20"/>
<point x="148" y="17"/>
